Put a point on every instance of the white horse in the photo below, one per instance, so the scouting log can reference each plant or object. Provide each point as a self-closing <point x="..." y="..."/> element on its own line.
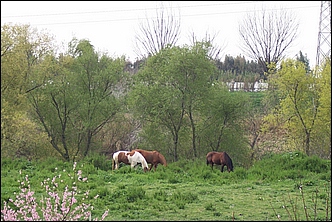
<point x="132" y="158"/>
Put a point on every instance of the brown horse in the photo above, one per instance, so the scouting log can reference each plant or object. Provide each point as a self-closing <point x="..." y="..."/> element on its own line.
<point x="219" y="158"/>
<point x="126" y="157"/>
<point x="153" y="157"/>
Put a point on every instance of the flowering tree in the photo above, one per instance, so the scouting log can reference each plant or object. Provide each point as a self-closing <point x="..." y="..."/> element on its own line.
<point x="56" y="206"/>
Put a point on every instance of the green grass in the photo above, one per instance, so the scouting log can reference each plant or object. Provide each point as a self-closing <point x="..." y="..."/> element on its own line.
<point x="191" y="190"/>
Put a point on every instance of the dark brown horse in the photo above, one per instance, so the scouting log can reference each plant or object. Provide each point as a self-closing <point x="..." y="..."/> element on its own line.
<point x="219" y="158"/>
<point x="153" y="157"/>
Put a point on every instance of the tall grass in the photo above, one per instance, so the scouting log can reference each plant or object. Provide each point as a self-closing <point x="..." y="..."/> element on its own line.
<point x="289" y="186"/>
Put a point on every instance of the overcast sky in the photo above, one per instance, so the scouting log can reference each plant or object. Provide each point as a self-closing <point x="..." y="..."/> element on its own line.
<point x="111" y="25"/>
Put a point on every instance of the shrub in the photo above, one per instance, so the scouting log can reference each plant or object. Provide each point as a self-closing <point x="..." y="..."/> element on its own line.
<point x="55" y="206"/>
<point x="99" y="161"/>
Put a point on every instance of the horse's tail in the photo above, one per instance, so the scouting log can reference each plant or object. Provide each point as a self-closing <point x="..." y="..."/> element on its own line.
<point x="113" y="163"/>
<point x="231" y="164"/>
<point x="162" y="159"/>
<point x="114" y="156"/>
<point x="229" y="161"/>
<point x="208" y="158"/>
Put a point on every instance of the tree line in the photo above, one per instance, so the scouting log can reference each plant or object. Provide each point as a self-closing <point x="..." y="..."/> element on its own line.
<point x="83" y="102"/>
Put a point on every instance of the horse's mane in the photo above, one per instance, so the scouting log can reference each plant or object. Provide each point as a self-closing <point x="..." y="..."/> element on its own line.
<point x="131" y="153"/>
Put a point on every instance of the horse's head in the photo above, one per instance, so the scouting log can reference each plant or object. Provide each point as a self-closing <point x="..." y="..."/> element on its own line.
<point x="162" y="159"/>
<point x="146" y="169"/>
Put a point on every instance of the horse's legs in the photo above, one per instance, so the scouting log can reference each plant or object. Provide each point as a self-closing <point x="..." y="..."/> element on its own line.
<point x="151" y="167"/>
<point x="222" y="168"/>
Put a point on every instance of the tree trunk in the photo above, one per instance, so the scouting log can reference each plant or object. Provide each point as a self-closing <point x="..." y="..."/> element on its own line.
<point x="307" y="143"/>
<point x="193" y="128"/>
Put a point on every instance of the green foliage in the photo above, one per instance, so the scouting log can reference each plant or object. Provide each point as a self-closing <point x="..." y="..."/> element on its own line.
<point x="257" y="99"/>
<point x="299" y="110"/>
<point x="322" y="131"/>
<point x="99" y="161"/>
<point x="289" y="165"/>
<point x="220" y="127"/>
<point x="78" y="99"/>
<point x="304" y="60"/>
<point x="238" y="69"/>
<point x="169" y="91"/>
<point x="23" y="48"/>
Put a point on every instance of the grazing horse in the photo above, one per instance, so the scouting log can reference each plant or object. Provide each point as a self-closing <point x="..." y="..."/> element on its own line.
<point x="126" y="157"/>
<point x="153" y="157"/>
<point x="219" y="158"/>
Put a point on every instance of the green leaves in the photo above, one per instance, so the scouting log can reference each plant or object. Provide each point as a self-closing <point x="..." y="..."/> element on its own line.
<point x="301" y="104"/>
<point x="78" y="100"/>
<point x="174" y="93"/>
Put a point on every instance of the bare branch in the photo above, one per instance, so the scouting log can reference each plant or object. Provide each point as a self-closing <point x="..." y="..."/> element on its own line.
<point x="157" y="33"/>
<point x="214" y="50"/>
<point x="266" y="36"/>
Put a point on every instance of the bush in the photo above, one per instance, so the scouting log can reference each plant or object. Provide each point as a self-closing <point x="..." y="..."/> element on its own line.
<point x="54" y="206"/>
<point x="99" y="161"/>
<point x="291" y="165"/>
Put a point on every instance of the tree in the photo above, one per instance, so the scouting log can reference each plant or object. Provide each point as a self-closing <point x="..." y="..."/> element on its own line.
<point x="197" y="81"/>
<point x="157" y="33"/>
<point x="267" y="36"/>
<point x="214" y="50"/>
<point x="23" y="49"/>
<point x="79" y="100"/>
<point x="220" y="126"/>
<point x="304" y="59"/>
<point x="322" y="130"/>
<point x="168" y="90"/>
<point x="299" y="101"/>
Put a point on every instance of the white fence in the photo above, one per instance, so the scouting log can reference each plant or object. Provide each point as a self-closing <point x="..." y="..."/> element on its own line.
<point x="248" y="86"/>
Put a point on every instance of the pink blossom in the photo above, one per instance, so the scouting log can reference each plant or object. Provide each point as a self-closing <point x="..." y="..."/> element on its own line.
<point x="50" y="204"/>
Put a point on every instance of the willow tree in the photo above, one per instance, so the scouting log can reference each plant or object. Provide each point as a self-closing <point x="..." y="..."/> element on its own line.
<point x="266" y="35"/>
<point x="157" y="32"/>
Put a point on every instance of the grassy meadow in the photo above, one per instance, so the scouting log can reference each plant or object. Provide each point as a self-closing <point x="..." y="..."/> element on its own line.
<point x="289" y="186"/>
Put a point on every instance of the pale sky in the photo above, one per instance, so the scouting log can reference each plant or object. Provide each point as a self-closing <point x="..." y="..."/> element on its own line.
<point x="111" y="25"/>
